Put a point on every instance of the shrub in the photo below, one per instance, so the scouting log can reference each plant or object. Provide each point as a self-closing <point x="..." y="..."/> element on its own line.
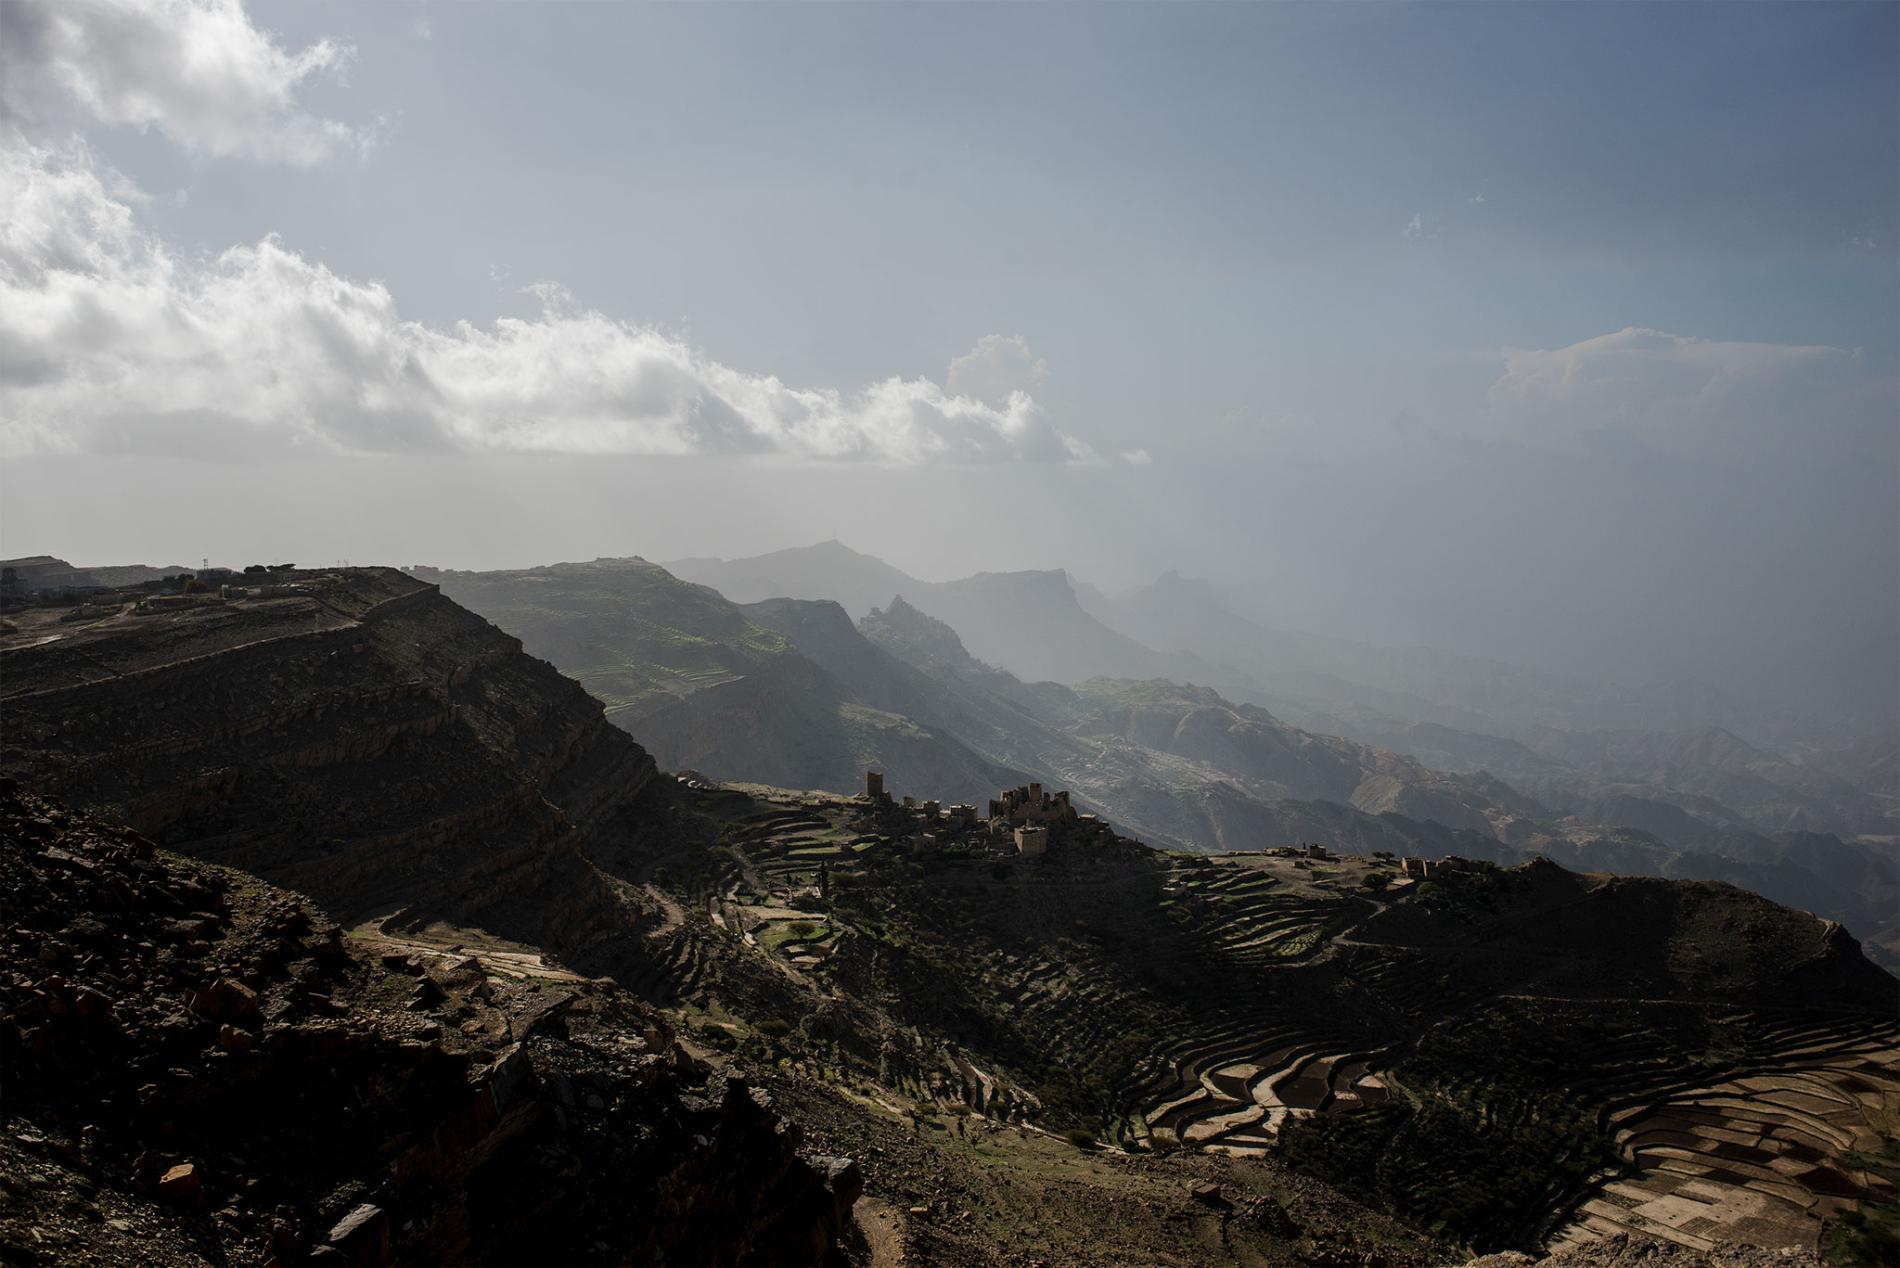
<point x="1080" y="1137"/>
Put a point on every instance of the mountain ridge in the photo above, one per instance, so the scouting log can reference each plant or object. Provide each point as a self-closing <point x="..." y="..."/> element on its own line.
<point x="1234" y="1030"/>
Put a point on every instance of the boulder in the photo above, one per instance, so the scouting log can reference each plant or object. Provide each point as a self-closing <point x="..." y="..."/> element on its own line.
<point x="181" y="1184"/>
<point x="362" y="1236"/>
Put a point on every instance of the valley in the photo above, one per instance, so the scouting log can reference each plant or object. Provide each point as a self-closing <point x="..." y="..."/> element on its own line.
<point x="791" y="691"/>
<point x="1033" y="1034"/>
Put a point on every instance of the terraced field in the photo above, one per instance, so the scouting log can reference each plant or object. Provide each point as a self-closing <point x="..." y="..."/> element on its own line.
<point x="1443" y="1051"/>
<point x="1765" y="1155"/>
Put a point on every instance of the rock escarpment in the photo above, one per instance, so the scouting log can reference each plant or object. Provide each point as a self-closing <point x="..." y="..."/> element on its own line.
<point x="200" y="1069"/>
<point x="352" y="735"/>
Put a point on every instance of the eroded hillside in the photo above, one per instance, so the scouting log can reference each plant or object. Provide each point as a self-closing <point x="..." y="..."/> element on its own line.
<point x="1099" y="1053"/>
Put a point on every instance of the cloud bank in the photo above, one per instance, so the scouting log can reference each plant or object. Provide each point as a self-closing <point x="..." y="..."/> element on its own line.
<point x="111" y="342"/>
<point x="1669" y="391"/>
<point x="197" y="70"/>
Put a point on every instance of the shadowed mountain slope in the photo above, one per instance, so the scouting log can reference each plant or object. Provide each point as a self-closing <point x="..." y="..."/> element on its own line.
<point x="190" y="1040"/>
<point x="249" y="729"/>
<point x="708" y="687"/>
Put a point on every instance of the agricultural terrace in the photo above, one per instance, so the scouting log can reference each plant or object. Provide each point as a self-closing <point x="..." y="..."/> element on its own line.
<point x="1439" y="1048"/>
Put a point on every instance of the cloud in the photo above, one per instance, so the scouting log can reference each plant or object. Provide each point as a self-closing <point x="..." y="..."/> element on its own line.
<point x="996" y="367"/>
<point x="1414" y="228"/>
<point x="112" y="342"/>
<point x="1669" y="390"/>
<point x="1137" y="458"/>
<point x="197" y="70"/>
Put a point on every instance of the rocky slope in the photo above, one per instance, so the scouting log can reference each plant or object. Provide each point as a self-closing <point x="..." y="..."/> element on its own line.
<point x="353" y="735"/>
<point x="202" y="1069"/>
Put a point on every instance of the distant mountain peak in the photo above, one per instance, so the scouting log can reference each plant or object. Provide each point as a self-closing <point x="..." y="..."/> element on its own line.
<point x="836" y="549"/>
<point x="916" y="636"/>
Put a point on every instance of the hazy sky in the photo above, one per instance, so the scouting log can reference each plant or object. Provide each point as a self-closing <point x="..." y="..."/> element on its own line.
<point x="1566" y="333"/>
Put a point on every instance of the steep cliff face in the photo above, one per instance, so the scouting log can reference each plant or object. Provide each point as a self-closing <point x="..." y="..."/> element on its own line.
<point x="355" y="736"/>
<point x="207" y="1059"/>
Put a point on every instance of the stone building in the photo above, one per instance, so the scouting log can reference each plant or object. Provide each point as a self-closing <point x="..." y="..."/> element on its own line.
<point x="1029" y="804"/>
<point x="1032" y="840"/>
<point x="874" y="785"/>
<point x="1052" y="812"/>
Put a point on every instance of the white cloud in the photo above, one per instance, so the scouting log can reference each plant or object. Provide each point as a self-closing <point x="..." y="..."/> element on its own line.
<point x="197" y="70"/>
<point x="1667" y="389"/>
<point x="996" y="367"/>
<point x="1137" y="457"/>
<point x="1414" y="228"/>
<point x="109" y="341"/>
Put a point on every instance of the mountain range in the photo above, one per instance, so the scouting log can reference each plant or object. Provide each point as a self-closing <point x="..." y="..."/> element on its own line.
<point x="341" y="928"/>
<point x="1725" y="761"/>
<point x="790" y="691"/>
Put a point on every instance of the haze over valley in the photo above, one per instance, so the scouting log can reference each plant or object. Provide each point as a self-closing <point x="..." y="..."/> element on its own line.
<point x="949" y="636"/>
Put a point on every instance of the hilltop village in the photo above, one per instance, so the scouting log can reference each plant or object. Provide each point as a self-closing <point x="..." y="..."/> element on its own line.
<point x="1026" y="819"/>
<point x="1029" y="821"/>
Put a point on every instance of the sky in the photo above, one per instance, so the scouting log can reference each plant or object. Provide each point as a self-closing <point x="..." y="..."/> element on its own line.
<point x="1562" y="333"/>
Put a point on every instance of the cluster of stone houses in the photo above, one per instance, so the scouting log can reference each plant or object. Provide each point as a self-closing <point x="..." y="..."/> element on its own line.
<point x="1030" y="819"/>
<point x="1026" y="817"/>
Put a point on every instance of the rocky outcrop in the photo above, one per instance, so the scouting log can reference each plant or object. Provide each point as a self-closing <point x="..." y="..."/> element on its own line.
<point x="241" y="1083"/>
<point x="357" y="737"/>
